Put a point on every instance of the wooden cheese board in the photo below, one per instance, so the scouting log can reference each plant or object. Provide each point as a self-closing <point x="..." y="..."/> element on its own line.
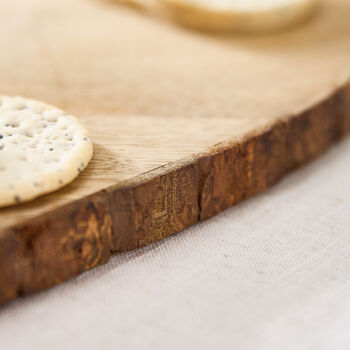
<point x="184" y="124"/>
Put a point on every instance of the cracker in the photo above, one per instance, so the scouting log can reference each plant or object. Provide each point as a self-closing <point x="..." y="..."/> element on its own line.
<point x="41" y="149"/>
<point x="239" y="15"/>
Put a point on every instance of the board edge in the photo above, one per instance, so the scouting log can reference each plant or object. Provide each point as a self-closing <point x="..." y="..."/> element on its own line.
<point x="52" y="248"/>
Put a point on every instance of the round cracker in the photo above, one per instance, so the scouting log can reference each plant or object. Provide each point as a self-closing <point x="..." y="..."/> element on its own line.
<point x="240" y="15"/>
<point x="41" y="149"/>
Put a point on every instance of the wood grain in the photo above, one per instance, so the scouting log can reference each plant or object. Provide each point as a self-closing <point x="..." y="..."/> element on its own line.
<point x="184" y="124"/>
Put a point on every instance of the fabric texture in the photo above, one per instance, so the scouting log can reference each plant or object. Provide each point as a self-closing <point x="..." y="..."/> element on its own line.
<point x="270" y="273"/>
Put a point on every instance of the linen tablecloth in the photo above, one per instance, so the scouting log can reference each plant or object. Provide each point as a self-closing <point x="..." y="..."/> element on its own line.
<point x="270" y="273"/>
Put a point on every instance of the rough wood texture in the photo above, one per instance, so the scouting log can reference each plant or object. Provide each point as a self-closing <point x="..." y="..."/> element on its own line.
<point x="185" y="125"/>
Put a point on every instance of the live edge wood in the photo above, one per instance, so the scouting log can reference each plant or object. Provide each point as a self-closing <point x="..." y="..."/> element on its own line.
<point x="184" y="124"/>
<point x="65" y="242"/>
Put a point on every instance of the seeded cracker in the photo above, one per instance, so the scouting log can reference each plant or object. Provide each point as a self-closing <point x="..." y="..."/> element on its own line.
<point x="240" y="15"/>
<point x="41" y="149"/>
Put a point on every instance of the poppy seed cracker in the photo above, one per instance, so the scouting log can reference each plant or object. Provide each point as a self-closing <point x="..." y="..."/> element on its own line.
<point x="41" y="148"/>
<point x="239" y="15"/>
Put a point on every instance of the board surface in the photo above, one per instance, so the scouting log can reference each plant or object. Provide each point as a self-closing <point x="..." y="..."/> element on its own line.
<point x="184" y="124"/>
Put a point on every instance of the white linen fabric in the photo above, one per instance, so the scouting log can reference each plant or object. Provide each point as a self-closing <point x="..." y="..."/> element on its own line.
<point x="270" y="273"/>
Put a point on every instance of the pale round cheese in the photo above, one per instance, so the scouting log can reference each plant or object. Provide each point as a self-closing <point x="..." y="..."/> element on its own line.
<point x="41" y="149"/>
<point x="240" y="15"/>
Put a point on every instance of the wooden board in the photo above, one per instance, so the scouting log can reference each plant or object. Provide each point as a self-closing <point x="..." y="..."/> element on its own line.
<point x="184" y="124"/>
